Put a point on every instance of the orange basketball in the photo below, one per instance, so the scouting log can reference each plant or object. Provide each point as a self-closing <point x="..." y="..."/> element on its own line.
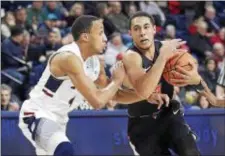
<point x="183" y="60"/>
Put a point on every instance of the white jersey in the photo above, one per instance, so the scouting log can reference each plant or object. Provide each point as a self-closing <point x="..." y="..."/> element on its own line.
<point x="55" y="97"/>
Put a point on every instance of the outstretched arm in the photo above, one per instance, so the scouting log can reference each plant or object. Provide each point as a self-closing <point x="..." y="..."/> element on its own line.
<point x="129" y="97"/>
<point x="126" y="97"/>
<point x="69" y="64"/>
<point x="193" y="78"/>
<point x="211" y="97"/>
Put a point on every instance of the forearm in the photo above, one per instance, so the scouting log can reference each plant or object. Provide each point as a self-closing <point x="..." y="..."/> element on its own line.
<point x="102" y="81"/>
<point x="146" y="85"/>
<point x="219" y="91"/>
<point x="220" y="103"/>
<point x="107" y="93"/>
<point x="126" y="97"/>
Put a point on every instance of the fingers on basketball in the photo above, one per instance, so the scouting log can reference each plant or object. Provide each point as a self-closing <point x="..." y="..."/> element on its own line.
<point x="178" y="66"/>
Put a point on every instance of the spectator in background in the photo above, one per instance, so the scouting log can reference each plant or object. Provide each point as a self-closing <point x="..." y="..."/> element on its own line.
<point x="171" y="34"/>
<point x="120" y="21"/>
<point x="67" y="39"/>
<point x="153" y="9"/>
<point x="12" y="47"/>
<point x="103" y="12"/>
<point x="8" y="21"/>
<point x="75" y="11"/>
<point x="58" y="34"/>
<point x="115" y="46"/>
<point x="211" y="73"/>
<point x="51" y="44"/>
<point x="219" y="37"/>
<point x="203" y="102"/>
<point x="189" y="8"/>
<point x="21" y="19"/>
<point x="219" y="54"/>
<point x="210" y="18"/>
<point x="46" y="27"/>
<point x="192" y="29"/>
<point x="54" y="8"/>
<point x="35" y="15"/>
<point x="118" y="18"/>
<point x="174" y="7"/>
<point x="132" y="9"/>
<point x="199" y="43"/>
<point x="25" y="43"/>
<point x="9" y="102"/>
<point x="170" y="31"/>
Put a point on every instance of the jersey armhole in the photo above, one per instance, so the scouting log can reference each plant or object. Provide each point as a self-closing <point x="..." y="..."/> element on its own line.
<point x="49" y="62"/>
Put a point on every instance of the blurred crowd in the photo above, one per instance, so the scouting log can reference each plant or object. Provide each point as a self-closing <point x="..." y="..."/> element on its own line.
<point x="32" y="30"/>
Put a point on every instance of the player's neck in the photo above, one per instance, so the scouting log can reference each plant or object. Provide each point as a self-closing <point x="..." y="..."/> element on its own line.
<point x="150" y="52"/>
<point x="85" y="51"/>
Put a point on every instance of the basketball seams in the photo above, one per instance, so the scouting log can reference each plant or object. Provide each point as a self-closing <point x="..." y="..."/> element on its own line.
<point x="175" y="69"/>
<point x="177" y="61"/>
<point x="171" y="69"/>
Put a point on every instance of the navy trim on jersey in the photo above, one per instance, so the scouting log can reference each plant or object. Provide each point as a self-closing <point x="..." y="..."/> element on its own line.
<point x="47" y="93"/>
<point x="53" y="84"/>
<point x="146" y="63"/>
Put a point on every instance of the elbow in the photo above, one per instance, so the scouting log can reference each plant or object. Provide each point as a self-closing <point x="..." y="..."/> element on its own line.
<point x="144" y="94"/>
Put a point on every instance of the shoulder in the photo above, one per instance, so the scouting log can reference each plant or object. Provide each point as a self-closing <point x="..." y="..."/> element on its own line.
<point x="131" y="53"/>
<point x="68" y="56"/>
<point x="7" y="42"/>
<point x="66" y="62"/>
<point x="131" y="57"/>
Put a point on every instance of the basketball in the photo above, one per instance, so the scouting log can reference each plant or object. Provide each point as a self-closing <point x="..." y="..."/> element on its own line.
<point x="183" y="59"/>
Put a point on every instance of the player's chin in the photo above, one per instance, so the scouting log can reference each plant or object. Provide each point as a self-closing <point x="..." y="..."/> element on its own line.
<point x="145" y="47"/>
<point x="100" y="52"/>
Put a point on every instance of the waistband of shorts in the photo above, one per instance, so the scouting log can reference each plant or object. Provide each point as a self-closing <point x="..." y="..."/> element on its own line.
<point x="140" y="116"/>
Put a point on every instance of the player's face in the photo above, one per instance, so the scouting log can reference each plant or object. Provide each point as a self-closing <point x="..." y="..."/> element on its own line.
<point x="97" y="37"/>
<point x="142" y="32"/>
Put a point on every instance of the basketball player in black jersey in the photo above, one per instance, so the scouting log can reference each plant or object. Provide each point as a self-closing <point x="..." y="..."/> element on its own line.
<point x="153" y="131"/>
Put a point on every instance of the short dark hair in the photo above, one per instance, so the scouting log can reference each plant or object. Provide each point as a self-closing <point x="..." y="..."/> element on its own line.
<point x="141" y="14"/>
<point x="16" y="31"/>
<point x="82" y="25"/>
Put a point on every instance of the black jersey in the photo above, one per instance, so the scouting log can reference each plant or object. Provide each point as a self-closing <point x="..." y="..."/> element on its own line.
<point x="144" y="107"/>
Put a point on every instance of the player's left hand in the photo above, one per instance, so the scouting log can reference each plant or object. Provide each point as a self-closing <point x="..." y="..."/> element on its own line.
<point x="208" y="94"/>
<point x="210" y="97"/>
<point x="159" y="99"/>
<point x="186" y="77"/>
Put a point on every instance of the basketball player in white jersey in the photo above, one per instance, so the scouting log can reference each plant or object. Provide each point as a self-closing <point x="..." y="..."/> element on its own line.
<point x="68" y="77"/>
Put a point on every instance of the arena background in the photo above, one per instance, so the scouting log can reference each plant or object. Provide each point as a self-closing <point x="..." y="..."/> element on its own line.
<point x="32" y="30"/>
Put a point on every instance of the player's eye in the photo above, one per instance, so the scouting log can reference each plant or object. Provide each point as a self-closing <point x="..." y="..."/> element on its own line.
<point x="146" y="26"/>
<point x="135" y="29"/>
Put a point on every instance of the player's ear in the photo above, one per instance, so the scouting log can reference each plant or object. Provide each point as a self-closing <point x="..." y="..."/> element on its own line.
<point x="85" y="37"/>
<point x="129" y="32"/>
<point x="154" y="29"/>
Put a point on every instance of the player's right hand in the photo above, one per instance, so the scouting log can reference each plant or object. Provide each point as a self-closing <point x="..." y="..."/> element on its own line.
<point x="118" y="72"/>
<point x="169" y="48"/>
